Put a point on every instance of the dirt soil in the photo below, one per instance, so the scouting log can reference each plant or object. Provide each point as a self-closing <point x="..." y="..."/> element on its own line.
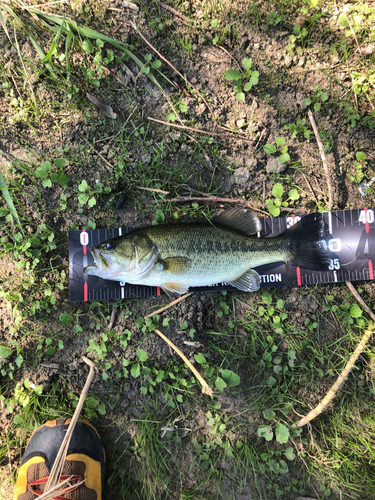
<point x="234" y="165"/>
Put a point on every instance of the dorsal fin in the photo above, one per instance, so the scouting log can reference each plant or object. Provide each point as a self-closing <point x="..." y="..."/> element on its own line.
<point x="242" y="219"/>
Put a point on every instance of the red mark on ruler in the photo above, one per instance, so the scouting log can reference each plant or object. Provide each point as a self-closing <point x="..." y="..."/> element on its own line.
<point x="84" y="239"/>
<point x="367" y="227"/>
<point x="158" y="290"/>
<point x="298" y="269"/>
<point x="371" y="270"/>
<point x="85" y="291"/>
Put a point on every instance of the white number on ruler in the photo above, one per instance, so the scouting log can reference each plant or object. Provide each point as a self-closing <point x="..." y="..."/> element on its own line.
<point x="366" y="216"/>
<point x="290" y="222"/>
<point x="334" y="245"/>
<point x="334" y="264"/>
<point x="84" y="238"/>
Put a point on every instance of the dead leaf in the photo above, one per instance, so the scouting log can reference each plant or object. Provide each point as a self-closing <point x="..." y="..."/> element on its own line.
<point x="367" y="50"/>
<point x="104" y="108"/>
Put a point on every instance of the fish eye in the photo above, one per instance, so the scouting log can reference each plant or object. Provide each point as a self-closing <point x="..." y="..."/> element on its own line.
<point x="109" y="246"/>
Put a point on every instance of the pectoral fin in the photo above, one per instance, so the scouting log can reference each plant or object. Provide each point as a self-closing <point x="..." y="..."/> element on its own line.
<point x="174" y="289"/>
<point x="247" y="282"/>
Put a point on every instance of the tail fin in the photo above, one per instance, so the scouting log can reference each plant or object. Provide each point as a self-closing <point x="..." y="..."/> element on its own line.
<point x="305" y="247"/>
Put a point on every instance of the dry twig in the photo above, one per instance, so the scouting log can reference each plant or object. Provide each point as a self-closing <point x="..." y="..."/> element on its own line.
<point x="134" y="27"/>
<point x="162" y="309"/>
<point x="60" y="458"/>
<point x="206" y="389"/>
<point x="184" y="19"/>
<point x="183" y="127"/>
<point x="112" y="318"/>
<point x="341" y="379"/>
<point x="323" y="156"/>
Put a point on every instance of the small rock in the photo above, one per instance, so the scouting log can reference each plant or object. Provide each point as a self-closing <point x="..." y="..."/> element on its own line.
<point x="274" y="166"/>
<point x="240" y="123"/>
<point x="241" y="176"/>
<point x="301" y="62"/>
<point x="251" y="163"/>
<point x="300" y="98"/>
<point x="256" y="46"/>
<point x="288" y="61"/>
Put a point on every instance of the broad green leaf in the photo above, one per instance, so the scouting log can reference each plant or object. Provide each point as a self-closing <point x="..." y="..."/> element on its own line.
<point x="92" y="202"/>
<point x="282" y="433"/>
<point x="274" y="211"/>
<point x="271" y="381"/>
<point x="101" y="409"/>
<point x="360" y="156"/>
<point x="343" y="21"/>
<point x="65" y="318"/>
<point x="83" y="198"/>
<point x="199" y="358"/>
<point x="240" y="96"/>
<point x="254" y="78"/>
<point x="246" y="63"/>
<point x="220" y="384"/>
<point x="135" y="370"/>
<point x="269" y="148"/>
<point x="91" y="402"/>
<point x="83" y="186"/>
<point x="269" y="414"/>
<point x="324" y="96"/>
<point x="60" y="162"/>
<point x="355" y="311"/>
<point x="308" y="101"/>
<point x="47" y="183"/>
<point x="266" y="432"/>
<point x="293" y="194"/>
<point x="141" y="355"/>
<point x="247" y="86"/>
<point x="230" y="377"/>
<point x="317" y="106"/>
<point x="87" y="46"/>
<point x="5" y="352"/>
<point x="289" y="453"/>
<point x="41" y="173"/>
<point x="280" y="141"/>
<point x="284" y="158"/>
<point x="232" y="74"/>
<point x="277" y="190"/>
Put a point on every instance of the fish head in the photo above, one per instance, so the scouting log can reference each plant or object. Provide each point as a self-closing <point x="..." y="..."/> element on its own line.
<point x="126" y="258"/>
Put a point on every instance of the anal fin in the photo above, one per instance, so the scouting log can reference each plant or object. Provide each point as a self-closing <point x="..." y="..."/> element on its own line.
<point x="174" y="289"/>
<point x="247" y="282"/>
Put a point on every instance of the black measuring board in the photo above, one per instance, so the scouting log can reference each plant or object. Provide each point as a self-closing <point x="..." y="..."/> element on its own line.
<point x="349" y="235"/>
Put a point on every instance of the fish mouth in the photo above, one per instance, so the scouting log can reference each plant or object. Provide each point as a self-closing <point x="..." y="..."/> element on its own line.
<point x="100" y="262"/>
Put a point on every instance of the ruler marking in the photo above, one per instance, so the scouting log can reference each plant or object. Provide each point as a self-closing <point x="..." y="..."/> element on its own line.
<point x="330" y="222"/>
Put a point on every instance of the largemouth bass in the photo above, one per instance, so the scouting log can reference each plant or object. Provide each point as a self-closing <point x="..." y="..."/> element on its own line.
<point x="182" y="255"/>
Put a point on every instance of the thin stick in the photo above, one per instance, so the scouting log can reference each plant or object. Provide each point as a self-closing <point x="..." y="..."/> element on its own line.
<point x="112" y="318"/>
<point x="341" y="379"/>
<point x="206" y="389"/>
<point x="60" y="458"/>
<point x="311" y="189"/>
<point x="183" y="127"/>
<point x="132" y="24"/>
<point x="130" y="5"/>
<point x="175" y="12"/>
<point x="183" y="199"/>
<point x="323" y="156"/>
<point x="162" y="309"/>
<point x="153" y="190"/>
<point x="26" y="7"/>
